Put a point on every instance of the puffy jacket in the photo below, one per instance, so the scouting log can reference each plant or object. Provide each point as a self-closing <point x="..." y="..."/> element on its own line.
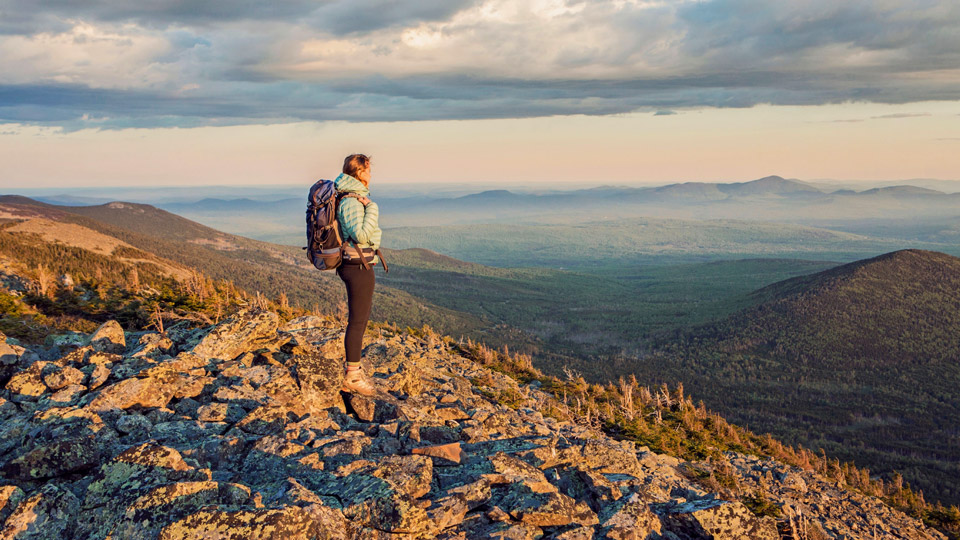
<point x="358" y="222"/>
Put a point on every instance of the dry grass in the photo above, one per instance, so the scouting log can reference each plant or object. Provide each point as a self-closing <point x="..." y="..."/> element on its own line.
<point x="78" y="236"/>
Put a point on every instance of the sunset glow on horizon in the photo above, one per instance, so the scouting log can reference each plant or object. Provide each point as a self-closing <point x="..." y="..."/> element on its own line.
<point x="117" y="94"/>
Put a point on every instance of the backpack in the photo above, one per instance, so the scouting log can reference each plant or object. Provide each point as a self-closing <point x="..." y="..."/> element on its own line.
<point x="324" y="242"/>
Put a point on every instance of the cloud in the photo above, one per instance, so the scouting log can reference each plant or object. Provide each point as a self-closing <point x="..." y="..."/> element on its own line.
<point x="900" y="115"/>
<point x="895" y="116"/>
<point x="40" y="15"/>
<point x="356" y="16"/>
<point x="173" y="62"/>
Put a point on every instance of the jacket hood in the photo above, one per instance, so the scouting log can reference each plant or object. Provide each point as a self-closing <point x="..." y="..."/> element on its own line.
<point x="349" y="184"/>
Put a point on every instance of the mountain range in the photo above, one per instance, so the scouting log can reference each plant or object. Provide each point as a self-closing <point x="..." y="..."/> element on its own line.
<point x="772" y="198"/>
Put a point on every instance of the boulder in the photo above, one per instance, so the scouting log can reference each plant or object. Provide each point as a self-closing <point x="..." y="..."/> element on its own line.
<point x="145" y="517"/>
<point x="109" y="338"/>
<point x="135" y="425"/>
<point x="287" y="523"/>
<point x="185" y="433"/>
<point x="9" y="360"/>
<point x="266" y="420"/>
<point x="67" y="396"/>
<point x="280" y="386"/>
<point x="526" y="503"/>
<point x="448" y="511"/>
<point x="481" y="527"/>
<point x="221" y="412"/>
<point x="122" y="480"/>
<point x="446" y="452"/>
<point x="29" y="382"/>
<point x="632" y="520"/>
<point x="98" y="376"/>
<point x="319" y="378"/>
<point x="225" y="453"/>
<point x="152" y="345"/>
<point x="607" y="456"/>
<point x="307" y="322"/>
<point x="375" y="503"/>
<point x="717" y="519"/>
<point x="380" y="409"/>
<point x="575" y="533"/>
<point x="10" y="497"/>
<point x="10" y="354"/>
<point x="440" y="434"/>
<point x="345" y="446"/>
<point x="589" y="486"/>
<point x="47" y="514"/>
<point x="409" y="474"/>
<point x="57" y="377"/>
<point x="62" y="342"/>
<point x="7" y="410"/>
<point x="237" y="335"/>
<point x="309" y="332"/>
<point x="244" y="396"/>
<point x="144" y="393"/>
<point x="792" y="480"/>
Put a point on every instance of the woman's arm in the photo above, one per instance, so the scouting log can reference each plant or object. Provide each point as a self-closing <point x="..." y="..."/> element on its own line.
<point x="370" y="227"/>
<point x="360" y="223"/>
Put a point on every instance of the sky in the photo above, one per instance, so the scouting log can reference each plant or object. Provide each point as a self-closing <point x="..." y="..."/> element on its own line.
<point x="174" y="92"/>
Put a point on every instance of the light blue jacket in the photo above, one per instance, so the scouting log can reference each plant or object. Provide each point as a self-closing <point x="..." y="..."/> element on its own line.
<point x="357" y="222"/>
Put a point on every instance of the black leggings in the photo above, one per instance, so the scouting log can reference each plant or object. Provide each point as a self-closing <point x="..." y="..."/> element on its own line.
<point x="360" y="282"/>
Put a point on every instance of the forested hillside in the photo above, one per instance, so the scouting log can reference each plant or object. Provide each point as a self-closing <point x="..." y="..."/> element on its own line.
<point x="280" y="273"/>
<point x="861" y="360"/>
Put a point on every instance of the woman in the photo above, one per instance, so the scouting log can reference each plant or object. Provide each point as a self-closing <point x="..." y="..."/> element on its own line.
<point x="357" y="216"/>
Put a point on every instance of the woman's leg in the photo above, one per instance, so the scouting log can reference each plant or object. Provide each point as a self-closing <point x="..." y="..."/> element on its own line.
<point x="360" y="283"/>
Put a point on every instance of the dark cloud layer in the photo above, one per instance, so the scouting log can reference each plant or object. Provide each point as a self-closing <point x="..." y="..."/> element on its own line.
<point x="371" y="60"/>
<point x="371" y="15"/>
<point x="27" y="17"/>
<point x="338" y="16"/>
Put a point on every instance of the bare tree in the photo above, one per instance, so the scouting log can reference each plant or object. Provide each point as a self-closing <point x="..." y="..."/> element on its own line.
<point x="133" y="278"/>
<point x="45" y="280"/>
<point x="156" y="319"/>
<point x="196" y="286"/>
<point x="260" y="302"/>
<point x="626" y="398"/>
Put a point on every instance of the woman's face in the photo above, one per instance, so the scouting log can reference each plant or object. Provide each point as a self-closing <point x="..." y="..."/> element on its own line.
<point x="363" y="175"/>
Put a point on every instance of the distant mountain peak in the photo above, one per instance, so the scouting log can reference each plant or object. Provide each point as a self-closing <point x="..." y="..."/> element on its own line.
<point x="911" y="266"/>
<point x="490" y="194"/>
<point x="902" y="190"/>
<point x="768" y="184"/>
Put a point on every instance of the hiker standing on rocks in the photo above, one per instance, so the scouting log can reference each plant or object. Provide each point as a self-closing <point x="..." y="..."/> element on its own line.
<point x="358" y="217"/>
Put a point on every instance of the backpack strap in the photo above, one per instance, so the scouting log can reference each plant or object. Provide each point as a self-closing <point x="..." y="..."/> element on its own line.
<point x="345" y="194"/>
<point x="363" y="260"/>
<point x="382" y="261"/>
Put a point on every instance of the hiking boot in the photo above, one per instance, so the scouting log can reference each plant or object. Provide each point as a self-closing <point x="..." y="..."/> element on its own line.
<point x="355" y="381"/>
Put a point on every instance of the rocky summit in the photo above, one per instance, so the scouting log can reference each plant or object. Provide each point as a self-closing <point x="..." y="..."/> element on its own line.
<point x="239" y="430"/>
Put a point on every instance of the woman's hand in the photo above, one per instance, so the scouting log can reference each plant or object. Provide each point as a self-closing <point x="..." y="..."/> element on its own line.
<point x="364" y="200"/>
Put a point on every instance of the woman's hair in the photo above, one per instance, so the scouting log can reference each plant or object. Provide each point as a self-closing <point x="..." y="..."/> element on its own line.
<point x="354" y="163"/>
